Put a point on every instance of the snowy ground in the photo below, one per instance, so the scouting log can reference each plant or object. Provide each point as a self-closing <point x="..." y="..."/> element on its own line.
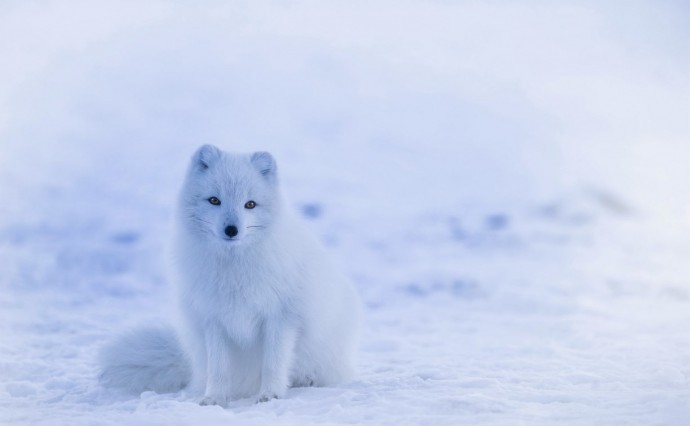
<point x="507" y="184"/>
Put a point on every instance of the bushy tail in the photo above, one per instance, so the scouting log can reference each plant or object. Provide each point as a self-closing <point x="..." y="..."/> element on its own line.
<point x="145" y="359"/>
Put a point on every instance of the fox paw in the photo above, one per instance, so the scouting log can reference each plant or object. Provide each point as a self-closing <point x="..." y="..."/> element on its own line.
<point x="209" y="400"/>
<point x="265" y="397"/>
<point x="303" y="382"/>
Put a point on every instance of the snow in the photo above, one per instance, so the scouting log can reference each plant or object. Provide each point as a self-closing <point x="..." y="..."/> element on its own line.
<point x="506" y="183"/>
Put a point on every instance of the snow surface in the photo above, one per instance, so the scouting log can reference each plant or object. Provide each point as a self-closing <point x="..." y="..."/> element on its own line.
<point x="507" y="184"/>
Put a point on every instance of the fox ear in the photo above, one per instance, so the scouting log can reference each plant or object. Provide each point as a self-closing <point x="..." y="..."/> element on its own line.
<point x="264" y="163"/>
<point x="205" y="156"/>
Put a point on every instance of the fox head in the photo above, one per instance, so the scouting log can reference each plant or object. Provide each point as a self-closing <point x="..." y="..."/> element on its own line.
<point x="230" y="197"/>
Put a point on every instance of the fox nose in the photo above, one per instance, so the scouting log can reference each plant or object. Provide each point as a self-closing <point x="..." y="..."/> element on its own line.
<point x="231" y="230"/>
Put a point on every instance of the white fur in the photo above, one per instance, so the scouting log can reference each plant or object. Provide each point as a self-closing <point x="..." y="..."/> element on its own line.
<point x="261" y="311"/>
<point x="149" y="358"/>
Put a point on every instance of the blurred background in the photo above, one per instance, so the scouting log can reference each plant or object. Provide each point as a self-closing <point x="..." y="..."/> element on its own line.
<point x="459" y="154"/>
<point x="409" y="103"/>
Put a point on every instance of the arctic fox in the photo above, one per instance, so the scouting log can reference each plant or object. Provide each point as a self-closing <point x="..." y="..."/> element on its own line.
<point x="262" y="309"/>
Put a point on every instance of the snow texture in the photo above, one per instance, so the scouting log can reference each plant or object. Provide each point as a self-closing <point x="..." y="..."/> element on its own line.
<point x="506" y="183"/>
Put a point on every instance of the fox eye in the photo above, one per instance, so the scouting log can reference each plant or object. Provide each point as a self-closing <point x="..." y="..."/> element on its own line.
<point x="249" y="205"/>
<point x="215" y="201"/>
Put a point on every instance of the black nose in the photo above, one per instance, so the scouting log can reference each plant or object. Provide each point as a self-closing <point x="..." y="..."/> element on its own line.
<point x="231" y="231"/>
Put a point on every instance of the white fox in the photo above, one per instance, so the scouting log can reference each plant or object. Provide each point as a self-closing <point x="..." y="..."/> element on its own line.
<point x="262" y="309"/>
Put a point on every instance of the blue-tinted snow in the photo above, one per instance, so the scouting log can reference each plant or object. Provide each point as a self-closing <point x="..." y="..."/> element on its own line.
<point x="507" y="184"/>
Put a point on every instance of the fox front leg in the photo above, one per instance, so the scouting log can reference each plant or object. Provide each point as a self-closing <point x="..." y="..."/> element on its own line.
<point x="217" y="366"/>
<point x="278" y="353"/>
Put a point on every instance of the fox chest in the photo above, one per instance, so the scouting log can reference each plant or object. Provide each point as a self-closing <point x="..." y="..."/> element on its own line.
<point x="243" y="319"/>
<point x="241" y="304"/>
